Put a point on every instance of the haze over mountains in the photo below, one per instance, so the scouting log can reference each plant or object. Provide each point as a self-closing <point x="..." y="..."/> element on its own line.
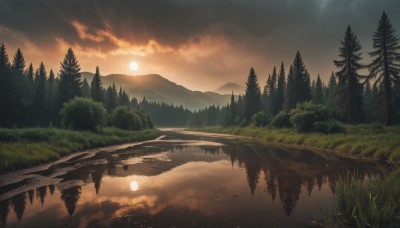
<point x="230" y="87"/>
<point x="156" y="88"/>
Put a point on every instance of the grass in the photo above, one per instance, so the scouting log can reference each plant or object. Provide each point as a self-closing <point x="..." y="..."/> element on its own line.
<point x="21" y="148"/>
<point x="365" y="203"/>
<point x="359" y="141"/>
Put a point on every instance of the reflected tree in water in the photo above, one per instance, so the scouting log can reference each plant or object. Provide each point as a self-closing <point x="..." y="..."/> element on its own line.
<point x="19" y="203"/>
<point x="41" y="193"/>
<point x="70" y="197"/>
<point x="97" y="175"/>
<point x="4" y="210"/>
<point x="31" y="193"/>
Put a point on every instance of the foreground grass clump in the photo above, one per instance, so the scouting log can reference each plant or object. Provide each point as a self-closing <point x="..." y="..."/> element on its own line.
<point x="374" y="203"/>
<point x="362" y="141"/>
<point x="21" y="148"/>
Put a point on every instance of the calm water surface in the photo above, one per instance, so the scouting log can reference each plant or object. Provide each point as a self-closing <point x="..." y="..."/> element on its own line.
<point x="181" y="180"/>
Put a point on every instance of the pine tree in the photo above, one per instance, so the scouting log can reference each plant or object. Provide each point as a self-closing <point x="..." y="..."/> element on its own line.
<point x="368" y="100"/>
<point x="30" y="74"/>
<point x="349" y="89"/>
<point x="39" y="106"/>
<point x="290" y="91"/>
<point x="7" y="95"/>
<point x="70" y="78"/>
<point x="385" y="67"/>
<point x="18" y="64"/>
<point x="265" y="98"/>
<point x="252" y="98"/>
<point x="85" y="88"/>
<point x="52" y="97"/>
<point x="111" y="98"/>
<point x="273" y="102"/>
<point x="299" y="89"/>
<point x="96" y="92"/>
<point x="231" y="112"/>
<point x="319" y="96"/>
<point x="280" y="90"/>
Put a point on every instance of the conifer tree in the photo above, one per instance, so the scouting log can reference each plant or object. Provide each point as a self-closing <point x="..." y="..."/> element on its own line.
<point x="290" y="91"/>
<point x="18" y="64"/>
<point x="299" y="89"/>
<point x="265" y="98"/>
<point x="70" y="78"/>
<point x="332" y="86"/>
<point x="111" y="98"/>
<point x="85" y="88"/>
<point x="7" y="95"/>
<point x="96" y="89"/>
<point x="39" y="106"/>
<point x="252" y="98"/>
<point x="349" y="89"/>
<point x="273" y="102"/>
<point x="52" y="97"/>
<point x="280" y="90"/>
<point x="231" y="112"/>
<point x="319" y="96"/>
<point x="30" y="74"/>
<point x="385" y="67"/>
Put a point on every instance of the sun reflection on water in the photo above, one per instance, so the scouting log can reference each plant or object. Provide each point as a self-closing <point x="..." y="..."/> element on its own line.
<point x="134" y="185"/>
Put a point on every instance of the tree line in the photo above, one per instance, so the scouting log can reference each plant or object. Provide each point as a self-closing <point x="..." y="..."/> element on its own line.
<point x="352" y="97"/>
<point x="31" y="98"/>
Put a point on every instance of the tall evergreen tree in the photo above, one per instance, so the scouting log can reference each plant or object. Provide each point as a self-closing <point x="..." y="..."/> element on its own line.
<point x="70" y="78"/>
<point x="96" y="90"/>
<point x="39" y="106"/>
<point x="349" y="90"/>
<point x="30" y="74"/>
<point x="18" y="64"/>
<point x="385" y="66"/>
<point x="252" y="98"/>
<point x="300" y="88"/>
<point x="290" y="91"/>
<point x="319" y="96"/>
<point x="280" y="90"/>
<point x="332" y="91"/>
<point x="112" y="98"/>
<point x="265" y="98"/>
<point x="231" y="112"/>
<point x="85" y="88"/>
<point x="52" y="97"/>
<point x="7" y="95"/>
<point x="273" y="102"/>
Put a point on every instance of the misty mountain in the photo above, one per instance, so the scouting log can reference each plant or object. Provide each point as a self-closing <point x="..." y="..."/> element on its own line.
<point x="230" y="87"/>
<point x="156" y="88"/>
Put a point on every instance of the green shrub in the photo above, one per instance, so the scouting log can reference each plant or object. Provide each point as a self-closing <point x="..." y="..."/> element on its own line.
<point x="260" y="119"/>
<point x="328" y="127"/>
<point x="126" y="118"/>
<point x="83" y="114"/>
<point x="306" y="114"/>
<point x="281" y="120"/>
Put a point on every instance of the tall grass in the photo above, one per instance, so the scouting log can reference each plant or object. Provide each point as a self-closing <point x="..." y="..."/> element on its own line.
<point x="21" y="148"/>
<point x="363" y="141"/>
<point x="371" y="203"/>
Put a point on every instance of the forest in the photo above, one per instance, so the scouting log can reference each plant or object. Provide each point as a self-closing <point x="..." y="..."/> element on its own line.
<point x="293" y="99"/>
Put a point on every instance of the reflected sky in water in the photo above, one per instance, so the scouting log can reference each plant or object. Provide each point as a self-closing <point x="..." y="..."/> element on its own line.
<point x="184" y="181"/>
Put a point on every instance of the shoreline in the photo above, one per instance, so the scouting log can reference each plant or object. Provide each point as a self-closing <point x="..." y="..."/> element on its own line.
<point x="291" y="138"/>
<point x="22" y="153"/>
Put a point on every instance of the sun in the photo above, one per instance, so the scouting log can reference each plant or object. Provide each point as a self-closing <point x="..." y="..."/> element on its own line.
<point x="134" y="185"/>
<point x="134" y="66"/>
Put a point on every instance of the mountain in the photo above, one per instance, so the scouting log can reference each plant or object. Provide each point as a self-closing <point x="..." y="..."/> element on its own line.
<point x="230" y="87"/>
<point x="156" y="88"/>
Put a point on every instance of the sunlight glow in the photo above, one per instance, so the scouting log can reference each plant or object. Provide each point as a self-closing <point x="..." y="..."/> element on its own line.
<point x="134" y="185"/>
<point x="134" y="66"/>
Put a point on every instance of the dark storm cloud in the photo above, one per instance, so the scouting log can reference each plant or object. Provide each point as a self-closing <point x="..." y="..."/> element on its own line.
<point x="262" y="33"/>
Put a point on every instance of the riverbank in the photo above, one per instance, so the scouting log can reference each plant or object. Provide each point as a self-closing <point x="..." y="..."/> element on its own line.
<point x="359" y="141"/>
<point x="22" y="148"/>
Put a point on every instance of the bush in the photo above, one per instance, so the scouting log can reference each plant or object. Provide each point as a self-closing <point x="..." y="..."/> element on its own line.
<point x="329" y="127"/>
<point x="281" y="120"/>
<point x="260" y="119"/>
<point x="306" y="114"/>
<point x="83" y="114"/>
<point x="126" y="118"/>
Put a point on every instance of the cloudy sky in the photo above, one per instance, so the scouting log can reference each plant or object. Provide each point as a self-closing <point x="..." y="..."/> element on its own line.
<point x="200" y="44"/>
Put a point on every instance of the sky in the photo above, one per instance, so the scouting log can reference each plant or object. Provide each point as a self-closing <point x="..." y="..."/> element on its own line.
<point x="200" y="44"/>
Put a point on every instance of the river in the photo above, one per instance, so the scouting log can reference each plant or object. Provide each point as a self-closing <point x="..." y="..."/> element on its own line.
<point x="182" y="179"/>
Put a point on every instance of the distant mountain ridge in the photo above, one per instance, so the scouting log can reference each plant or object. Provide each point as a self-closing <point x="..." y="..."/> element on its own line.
<point x="157" y="88"/>
<point x="230" y="87"/>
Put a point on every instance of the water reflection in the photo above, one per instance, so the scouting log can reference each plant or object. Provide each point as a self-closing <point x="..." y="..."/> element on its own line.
<point x="205" y="185"/>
